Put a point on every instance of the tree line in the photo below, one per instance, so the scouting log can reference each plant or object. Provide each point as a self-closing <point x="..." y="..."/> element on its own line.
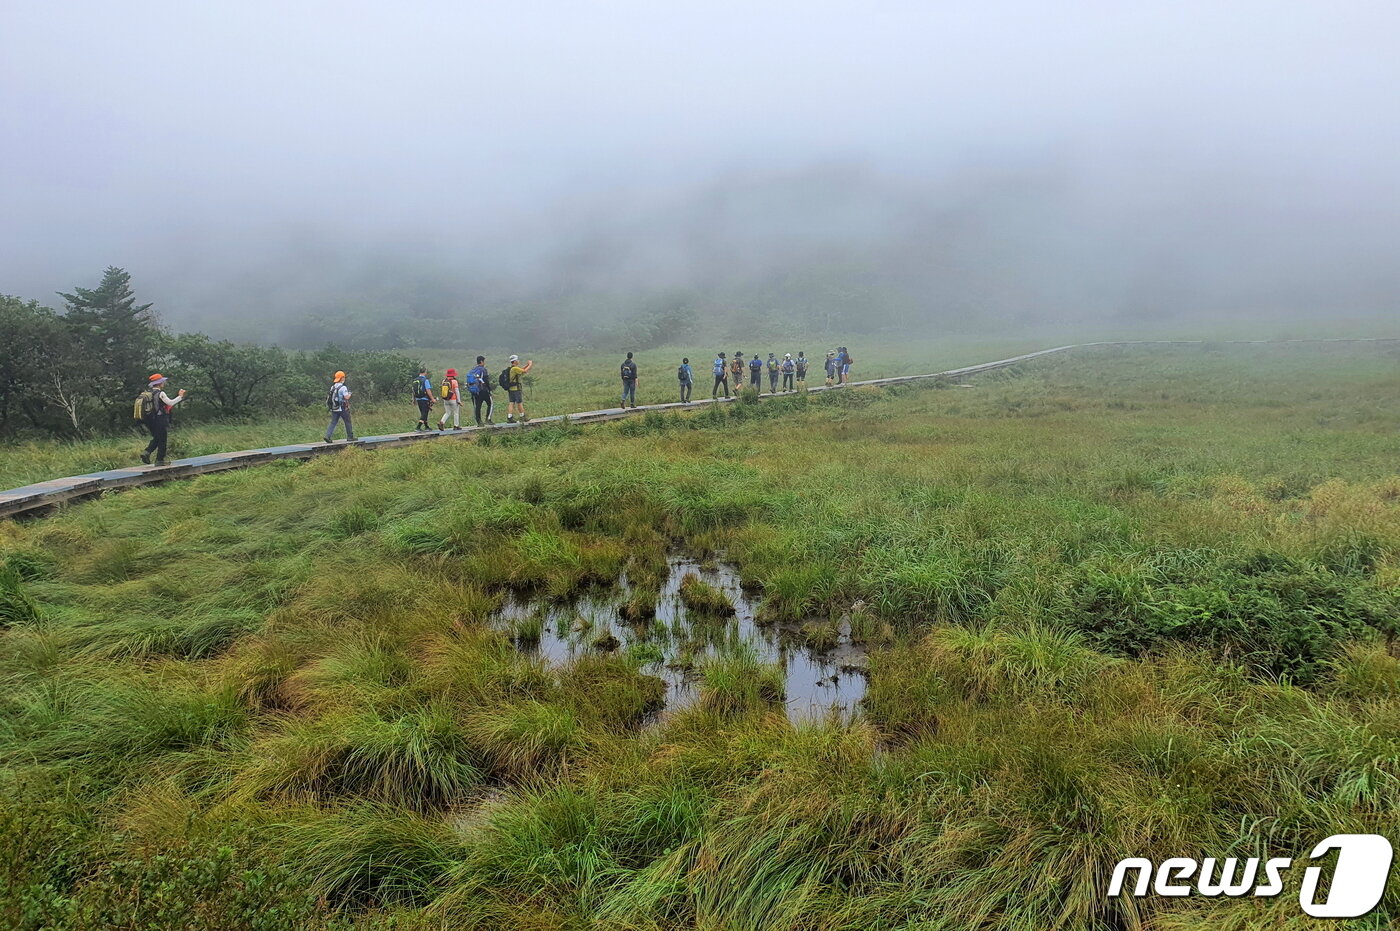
<point x="75" y="372"/>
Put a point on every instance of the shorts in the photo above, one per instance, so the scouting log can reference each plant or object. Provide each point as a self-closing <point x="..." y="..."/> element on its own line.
<point x="516" y="395"/>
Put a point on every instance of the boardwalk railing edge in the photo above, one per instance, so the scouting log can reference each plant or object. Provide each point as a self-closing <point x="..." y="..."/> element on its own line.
<point x="42" y="495"/>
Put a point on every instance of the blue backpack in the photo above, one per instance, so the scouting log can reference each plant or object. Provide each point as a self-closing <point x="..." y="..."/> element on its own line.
<point x="756" y="365"/>
<point x="719" y="367"/>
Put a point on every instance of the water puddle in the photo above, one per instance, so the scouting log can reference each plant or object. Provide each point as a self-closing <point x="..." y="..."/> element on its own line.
<point x="678" y="642"/>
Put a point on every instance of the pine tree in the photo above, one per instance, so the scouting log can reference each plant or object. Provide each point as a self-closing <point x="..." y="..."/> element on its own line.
<point x="116" y="340"/>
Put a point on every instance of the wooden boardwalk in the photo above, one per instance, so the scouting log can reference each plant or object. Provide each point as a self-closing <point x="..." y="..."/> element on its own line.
<point x="42" y="496"/>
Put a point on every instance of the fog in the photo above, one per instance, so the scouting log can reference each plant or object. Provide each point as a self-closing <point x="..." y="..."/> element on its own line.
<point x="442" y="173"/>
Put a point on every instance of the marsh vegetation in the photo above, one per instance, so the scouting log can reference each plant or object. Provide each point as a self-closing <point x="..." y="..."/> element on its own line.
<point x="1118" y="603"/>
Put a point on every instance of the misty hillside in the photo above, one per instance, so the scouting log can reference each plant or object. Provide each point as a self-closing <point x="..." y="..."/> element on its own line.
<point x="834" y="248"/>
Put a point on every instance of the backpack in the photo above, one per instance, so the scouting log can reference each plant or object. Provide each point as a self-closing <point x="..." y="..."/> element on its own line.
<point x="504" y="380"/>
<point x="420" y="390"/>
<point x="756" y="365"/>
<point x="719" y="368"/>
<point x="330" y="398"/>
<point x="772" y="365"/>
<point x="445" y="392"/>
<point x="145" y="406"/>
<point x="680" y="372"/>
<point x="788" y="366"/>
<point x="802" y="366"/>
<point x="474" y="380"/>
<point x="629" y="370"/>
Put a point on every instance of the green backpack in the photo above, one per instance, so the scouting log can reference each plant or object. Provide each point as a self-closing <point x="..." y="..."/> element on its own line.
<point x="145" y="407"/>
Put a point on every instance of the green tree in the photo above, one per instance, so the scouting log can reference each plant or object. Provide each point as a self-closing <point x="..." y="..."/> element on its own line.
<point x="118" y="339"/>
<point x="234" y="379"/>
<point x="27" y="331"/>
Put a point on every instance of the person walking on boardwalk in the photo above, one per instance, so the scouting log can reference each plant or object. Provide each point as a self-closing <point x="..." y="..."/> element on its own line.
<point x="830" y="366"/>
<point x="479" y="385"/>
<point x="451" y="393"/>
<point x="686" y="378"/>
<point x="629" y="381"/>
<point x="801" y="363"/>
<point x="515" y="390"/>
<point x="338" y="403"/>
<point x="844" y="355"/>
<point x="736" y="372"/>
<point x="789" y="368"/>
<point x="756" y="373"/>
<point x="721" y="377"/>
<point x="773" y="367"/>
<point x="423" y="397"/>
<point x="153" y="408"/>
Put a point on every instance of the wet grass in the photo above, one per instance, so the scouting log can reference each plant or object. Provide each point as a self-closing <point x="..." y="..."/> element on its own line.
<point x="701" y="597"/>
<point x="1115" y="605"/>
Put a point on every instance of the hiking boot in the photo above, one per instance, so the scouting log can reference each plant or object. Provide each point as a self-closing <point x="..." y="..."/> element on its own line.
<point x="456" y="428"/>
<point x="146" y="458"/>
<point x="162" y="462"/>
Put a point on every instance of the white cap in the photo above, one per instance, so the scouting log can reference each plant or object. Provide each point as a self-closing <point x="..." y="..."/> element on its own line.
<point x="787" y="355"/>
<point x="515" y="358"/>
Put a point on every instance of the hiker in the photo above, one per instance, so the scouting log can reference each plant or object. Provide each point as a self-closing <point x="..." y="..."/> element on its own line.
<point x="736" y="372"/>
<point x="721" y="377"/>
<point x="801" y="362"/>
<point x="846" y="361"/>
<point x="479" y="384"/>
<point x="789" y="369"/>
<point x="423" y="395"/>
<point x="686" y="378"/>
<point x="772" y="373"/>
<point x="830" y="366"/>
<point x="153" y="408"/>
<point x="510" y="380"/>
<point x="629" y="381"/>
<point x="756" y="373"/>
<point x="451" y="394"/>
<point x="338" y="403"/>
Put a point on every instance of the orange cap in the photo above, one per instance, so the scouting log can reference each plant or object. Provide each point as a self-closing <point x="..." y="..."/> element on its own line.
<point x="340" y="376"/>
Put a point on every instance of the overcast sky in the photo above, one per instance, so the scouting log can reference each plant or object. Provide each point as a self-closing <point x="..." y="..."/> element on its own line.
<point x="156" y="135"/>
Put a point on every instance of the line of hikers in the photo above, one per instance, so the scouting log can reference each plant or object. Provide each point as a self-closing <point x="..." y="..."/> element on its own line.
<point x="479" y="384"/>
<point x="153" y="406"/>
<point x="793" y="373"/>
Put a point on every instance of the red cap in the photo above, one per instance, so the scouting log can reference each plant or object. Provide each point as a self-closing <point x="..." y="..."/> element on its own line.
<point x="451" y="373"/>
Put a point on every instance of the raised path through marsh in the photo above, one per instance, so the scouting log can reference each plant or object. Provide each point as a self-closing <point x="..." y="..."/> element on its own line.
<point x="42" y="496"/>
